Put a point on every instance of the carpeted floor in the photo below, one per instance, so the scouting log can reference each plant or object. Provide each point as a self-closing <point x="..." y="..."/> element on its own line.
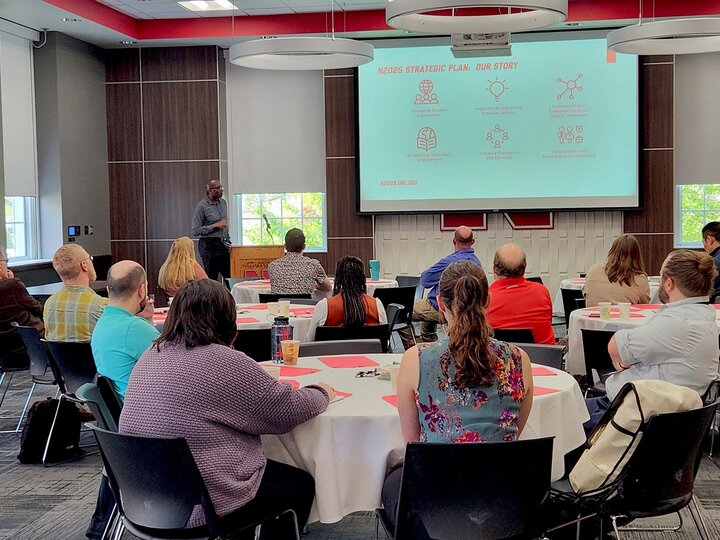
<point x="55" y="503"/>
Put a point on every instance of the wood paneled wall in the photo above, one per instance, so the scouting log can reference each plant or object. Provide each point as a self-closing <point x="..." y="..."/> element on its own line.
<point x="165" y="117"/>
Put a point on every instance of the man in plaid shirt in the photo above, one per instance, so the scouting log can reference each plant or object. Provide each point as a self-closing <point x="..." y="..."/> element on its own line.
<point x="71" y="313"/>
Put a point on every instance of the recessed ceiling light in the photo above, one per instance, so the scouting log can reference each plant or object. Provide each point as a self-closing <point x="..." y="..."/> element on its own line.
<point x="208" y="5"/>
<point x="130" y="42"/>
<point x="70" y="19"/>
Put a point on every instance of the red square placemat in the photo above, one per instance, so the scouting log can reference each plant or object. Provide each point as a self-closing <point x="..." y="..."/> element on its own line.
<point x="296" y="371"/>
<point x="392" y="400"/>
<point x="542" y="371"/>
<point x="347" y="361"/>
<point x="541" y="391"/>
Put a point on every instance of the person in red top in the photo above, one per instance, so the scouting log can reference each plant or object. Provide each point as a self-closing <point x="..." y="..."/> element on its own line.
<point x="516" y="302"/>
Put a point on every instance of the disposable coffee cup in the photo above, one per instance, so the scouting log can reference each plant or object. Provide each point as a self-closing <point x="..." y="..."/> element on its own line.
<point x="394" y="373"/>
<point x="374" y="269"/>
<point x="290" y="351"/>
<point x="624" y="309"/>
<point x="284" y="308"/>
<point x="272" y="370"/>
<point x="272" y="308"/>
<point x="604" y="309"/>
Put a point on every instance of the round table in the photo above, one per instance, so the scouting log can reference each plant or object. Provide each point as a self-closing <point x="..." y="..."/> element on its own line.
<point x="346" y="448"/>
<point x="249" y="291"/>
<point x="578" y="283"/>
<point x="257" y="316"/>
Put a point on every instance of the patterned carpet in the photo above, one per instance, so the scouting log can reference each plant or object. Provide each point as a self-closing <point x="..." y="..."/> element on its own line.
<point x="56" y="503"/>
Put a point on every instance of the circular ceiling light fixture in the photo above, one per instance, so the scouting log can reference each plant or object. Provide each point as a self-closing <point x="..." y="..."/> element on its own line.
<point x="301" y="53"/>
<point x="670" y="36"/>
<point x="474" y="16"/>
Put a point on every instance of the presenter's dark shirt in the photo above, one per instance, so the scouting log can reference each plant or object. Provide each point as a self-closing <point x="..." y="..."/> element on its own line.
<point x="206" y="213"/>
<point x="715" y="254"/>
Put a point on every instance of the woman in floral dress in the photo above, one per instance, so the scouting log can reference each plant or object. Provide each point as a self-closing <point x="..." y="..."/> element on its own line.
<point x="466" y="387"/>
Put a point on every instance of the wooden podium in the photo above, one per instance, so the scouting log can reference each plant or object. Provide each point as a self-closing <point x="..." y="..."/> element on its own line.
<point x="255" y="259"/>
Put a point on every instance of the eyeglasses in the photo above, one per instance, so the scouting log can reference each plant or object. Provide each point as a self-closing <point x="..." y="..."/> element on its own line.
<point x="371" y="373"/>
<point x="220" y="188"/>
<point x="89" y="258"/>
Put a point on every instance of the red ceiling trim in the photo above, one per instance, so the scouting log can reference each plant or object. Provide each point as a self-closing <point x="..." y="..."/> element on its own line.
<point x="351" y="21"/>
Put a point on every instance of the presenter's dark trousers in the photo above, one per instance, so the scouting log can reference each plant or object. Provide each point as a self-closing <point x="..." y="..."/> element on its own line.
<point x="215" y="257"/>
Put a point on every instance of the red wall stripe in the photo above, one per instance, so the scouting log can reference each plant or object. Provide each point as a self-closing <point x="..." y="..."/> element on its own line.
<point x="101" y="14"/>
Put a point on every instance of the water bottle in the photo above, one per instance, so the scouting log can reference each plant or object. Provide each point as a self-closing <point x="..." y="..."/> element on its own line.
<point x="280" y="330"/>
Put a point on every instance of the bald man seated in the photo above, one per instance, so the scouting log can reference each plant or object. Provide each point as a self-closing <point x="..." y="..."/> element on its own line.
<point x="426" y="310"/>
<point x="124" y="330"/>
<point x="516" y="302"/>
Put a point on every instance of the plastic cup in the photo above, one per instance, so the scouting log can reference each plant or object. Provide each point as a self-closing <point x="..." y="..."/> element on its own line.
<point x="272" y="370"/>
<point x="374" y="269"/>
<point x="272" y="308"/>
<point x="624" y="309"/>
<point x="290" y="351"/>
<point x="394" y="372"/>
<point x="284" y="308"/>
<point x="604" y="310"/>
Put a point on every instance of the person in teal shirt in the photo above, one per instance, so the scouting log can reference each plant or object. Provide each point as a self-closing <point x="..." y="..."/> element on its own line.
<point x="124" y="331"/>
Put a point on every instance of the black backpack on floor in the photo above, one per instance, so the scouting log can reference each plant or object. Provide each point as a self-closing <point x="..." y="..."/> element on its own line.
<point x="65" y="442"/>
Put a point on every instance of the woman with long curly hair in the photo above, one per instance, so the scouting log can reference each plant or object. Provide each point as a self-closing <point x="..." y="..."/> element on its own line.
<point x="466" y="387"/>
<point x="350" y="305"/>
<point x="180" y="266"/>
<point x="622" y="278"/>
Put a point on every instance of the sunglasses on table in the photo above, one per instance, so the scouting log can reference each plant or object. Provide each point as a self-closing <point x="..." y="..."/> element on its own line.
<point x="371" y="373"/>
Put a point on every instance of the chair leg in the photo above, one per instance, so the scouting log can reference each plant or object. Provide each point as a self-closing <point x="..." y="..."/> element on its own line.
<point x="295" y="523"/>
<point x="119" y="530"/>
<point x="25" y="408"/>
<point x="7" y="387"/>
<point x="699" y="520"/>
<point x="111" y="524"/>
<point x="52" y="428"/>
<point x="649" y="529"/>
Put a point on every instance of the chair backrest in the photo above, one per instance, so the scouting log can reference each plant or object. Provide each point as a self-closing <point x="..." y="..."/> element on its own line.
<point x="273" y="297"/>
<point x="595" y="349"/>
<point x="339" y="333"/>
<point x="39" y="360"/>
<point x="568" y="300"/>
<point x="536" y="279"/>
<point x="488" y="490"/>
<point x="348" y="346"/>
<point x="581" y="303"/>
<point x="90" y="394"/>
<point x="72" y="364"/>
<point x="408" y="281"/>
<point x="254" y="342"/>
<point x="155" y="480"/>
<point x="545" y="355"/>
<point x="660" y="474"/>
<point x="300" y="301"/>
<point x="394" y="314"/>
<point x="404" y="296"/>
<point x="515" y="335"/>
<point x="113" y="400"/>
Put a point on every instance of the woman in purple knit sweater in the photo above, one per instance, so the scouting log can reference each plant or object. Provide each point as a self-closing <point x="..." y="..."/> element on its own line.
<point x="192" y="384"/>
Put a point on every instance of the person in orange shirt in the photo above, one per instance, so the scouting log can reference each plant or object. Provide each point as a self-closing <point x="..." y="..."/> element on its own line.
<point x="516" y="302"/>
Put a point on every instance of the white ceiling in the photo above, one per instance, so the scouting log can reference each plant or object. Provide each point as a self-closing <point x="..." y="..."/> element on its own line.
<point x="170" y="9"/>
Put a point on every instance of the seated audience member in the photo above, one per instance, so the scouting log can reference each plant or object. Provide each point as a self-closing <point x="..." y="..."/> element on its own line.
<point x="124" y="330"/>
<point x="476" y="388"/>
<point x="622" y="278"/>
<point x="516" y="302"/>
<point x="180" y="266"/>
<point x="350" y="305"/>
<point x="679" y="344"/>
<point x="711" y="244"/>
<point x="426" y="310"/>
<point x="72" y="312"/>
<point x="192" y="384"/>
<point x="294" y="273"/>
<point x="16" y="305"/>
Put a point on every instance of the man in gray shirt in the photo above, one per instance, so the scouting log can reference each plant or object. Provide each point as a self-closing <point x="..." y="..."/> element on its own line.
<point x="679" y="344"/>
<point x="209" y="223"/>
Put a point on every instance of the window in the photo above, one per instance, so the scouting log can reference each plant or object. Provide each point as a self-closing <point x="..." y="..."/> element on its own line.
<point x="697" y="204"/>
<point x="21" y="228"/>
<point x="264" y="218"/>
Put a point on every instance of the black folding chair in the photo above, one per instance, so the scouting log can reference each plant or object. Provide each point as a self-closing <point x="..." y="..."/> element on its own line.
<point x="403" y="296"/>
<point x="545" y="355"/>
<point x="569" y="305"/>
<point x="348" y="346"/>
<point x="273" y="297"/>
<point x="536" y="279"/>
<point x="254" y="342"/>
<point x="157" y="485"/>
<point x="515" y="335"/>
<point x="338" y="333"/>
<point x="595" y="350"/>
<point x="408" y="281"/>
<point x="440" y="492"/>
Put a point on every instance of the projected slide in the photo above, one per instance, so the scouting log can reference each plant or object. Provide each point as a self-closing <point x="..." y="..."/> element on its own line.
<point x="553" y="126"/>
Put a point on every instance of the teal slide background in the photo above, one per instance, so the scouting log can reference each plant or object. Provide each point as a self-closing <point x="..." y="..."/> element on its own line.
<point x="520" y="164"/>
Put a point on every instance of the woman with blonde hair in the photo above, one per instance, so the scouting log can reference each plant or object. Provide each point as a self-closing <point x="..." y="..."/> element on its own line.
<point x="622" y="278"/>
<point x="180" y="266"/>
<point x="466" y="387"/>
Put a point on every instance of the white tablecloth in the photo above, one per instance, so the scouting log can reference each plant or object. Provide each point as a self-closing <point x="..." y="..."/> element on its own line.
<point x="249" y="291"/>
<point x="347" y="446"/>
<point x="579" y="283"/>
<point x="257" y="316"/>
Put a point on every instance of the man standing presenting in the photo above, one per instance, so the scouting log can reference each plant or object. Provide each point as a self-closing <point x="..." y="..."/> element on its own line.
<point x="516" y="302"/>
<point x="72" y="312"/>
<point x="711" y="244"/>
<point x="426" y="310"/>
<point x="209" y="223"/>
<point x="294" y="273"/>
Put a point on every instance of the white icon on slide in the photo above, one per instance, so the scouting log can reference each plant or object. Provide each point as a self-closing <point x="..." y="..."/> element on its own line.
<point x="571" y="86"/>
<point x="426" y="139"/>
<point x="497" y="88"/>
<point x="571" y="134"/>
<point x="426" y="97"/>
